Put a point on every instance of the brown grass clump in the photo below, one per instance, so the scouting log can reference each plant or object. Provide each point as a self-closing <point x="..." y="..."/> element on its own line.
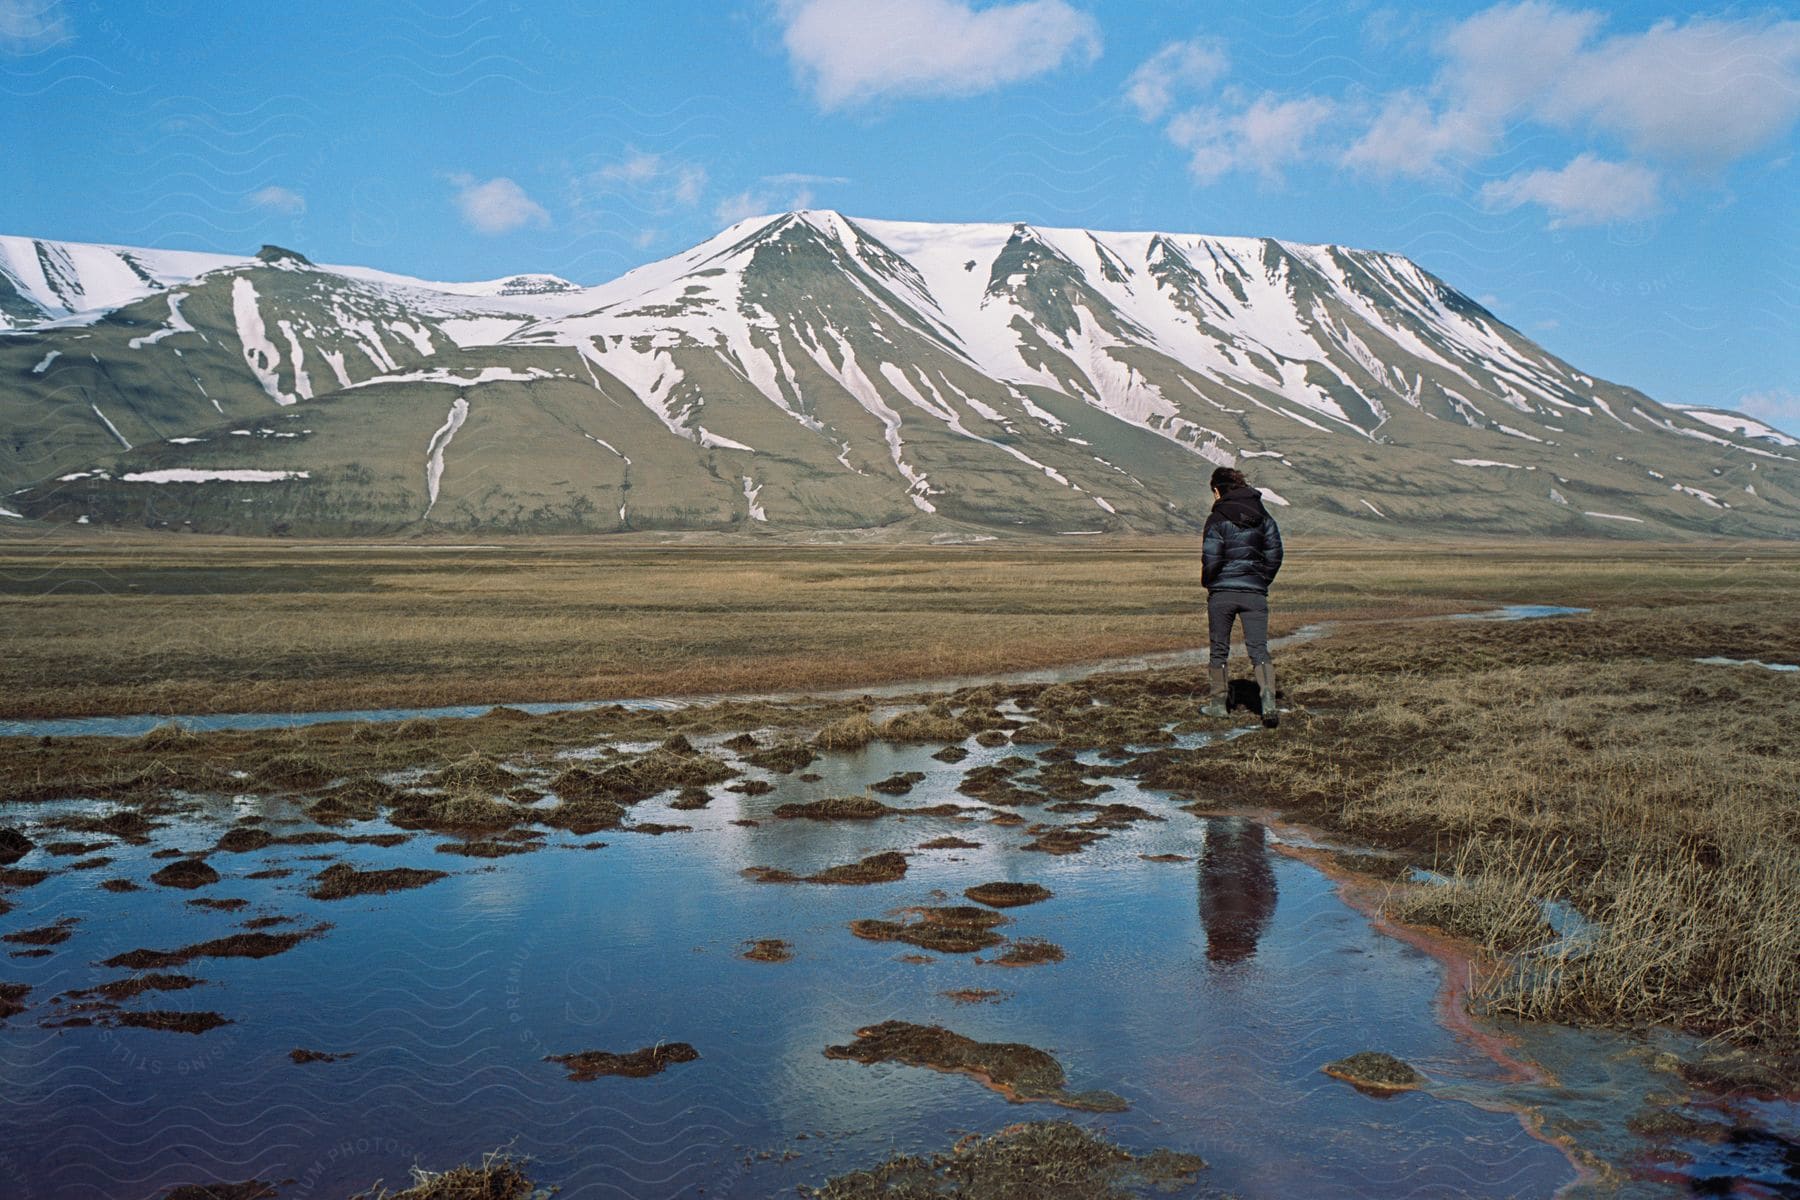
<point x="849" y="733"/>
<point x="1019" y="1072"/>
<point x="293" y="772"/>
<point x="300" y="1056"/>
<point x="1004" y="894"/>
<point x="898" y="784"/>
<point x="1040" y="1160"/>
<point x="922" y="725"/>
<point x="186" y="873"/>
<point x="1029" y="952"/>
<point x="13" y="846"/>
<point x="959" y="929"/>
<point x="241" y="839"/>
<point x="455" y="813"/>
<point x="691" y="798"/>
<point x="360" y="798"/>
<point x="172" y="1022"/>
<point x="885" y="867"/>
<point x="249" y="1189"/>
<point x="166" y="736"/>
<point x="136" y="985"/>
<point x="785" y="758"/>
<point x="1374" y="1071"/>
<point x="640" y="777"/>
<point x="475" y="772"/>
<point x="1059" y="840"/>
<point x="487" y="848"/>
<point x="590" y="1065"/>
<point x="582" y="816"/>
<point x="974" y="995"/>
<point x="770" y="950"/>
<point x="48" y="935"/>
<point x="341" y="881"/>
<point x="834" y="808"/>
<point x="498" y="1176"/>
<point x="12" y="999"/>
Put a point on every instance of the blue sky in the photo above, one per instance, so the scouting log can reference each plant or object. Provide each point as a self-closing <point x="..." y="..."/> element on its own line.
<point x="1618" y="184"/>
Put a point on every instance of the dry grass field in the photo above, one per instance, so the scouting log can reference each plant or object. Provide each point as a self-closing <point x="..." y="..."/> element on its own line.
<point x="120" y="625"/>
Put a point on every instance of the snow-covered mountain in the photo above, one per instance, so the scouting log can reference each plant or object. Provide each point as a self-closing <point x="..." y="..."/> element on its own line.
<point x="811" y="371"/>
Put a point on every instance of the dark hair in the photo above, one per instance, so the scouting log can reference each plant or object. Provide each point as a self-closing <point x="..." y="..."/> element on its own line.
<point x="1226" y="478"/>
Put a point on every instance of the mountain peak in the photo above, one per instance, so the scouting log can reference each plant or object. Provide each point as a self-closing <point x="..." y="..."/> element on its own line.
<point x="277" y="256"/>
<point x="814" y="370"/>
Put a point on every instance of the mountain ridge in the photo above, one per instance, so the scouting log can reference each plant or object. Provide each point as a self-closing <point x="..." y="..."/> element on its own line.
<point x="811" y="371"/>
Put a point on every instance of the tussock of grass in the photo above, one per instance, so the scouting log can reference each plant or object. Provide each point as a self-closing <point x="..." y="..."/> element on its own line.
<point x="165" y="735"/>
<point x="1042" y="1160"/>
<point x="922" y="725"/>
<point x="498" y="1176"/>
<point x="786" y="758"/>
<point x="475" y="772"/>
<point x="293" y="772"/>
<point x="834" y="808"/>
<point x="851" y="733"/>
<point x="358" y="799"/>
<point x="456" y="813"/>
<point x="884" y="867"/>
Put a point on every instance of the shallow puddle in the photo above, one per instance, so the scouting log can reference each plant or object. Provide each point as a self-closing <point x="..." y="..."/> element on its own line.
<point x="1719" y="660"/>
<point x="1204" y="980"/>
<point x="1521" y="612"/>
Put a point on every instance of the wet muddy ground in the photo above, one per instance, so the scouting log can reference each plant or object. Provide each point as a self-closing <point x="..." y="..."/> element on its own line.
<point x="824" y="960"/>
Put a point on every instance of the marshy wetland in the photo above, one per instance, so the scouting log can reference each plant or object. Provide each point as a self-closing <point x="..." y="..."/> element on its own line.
<point x="1503" y="908"/>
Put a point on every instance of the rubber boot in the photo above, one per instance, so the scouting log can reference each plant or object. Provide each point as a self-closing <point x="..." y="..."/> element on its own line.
<point x="1215" y="699"/>
<point x="1271" y="709"/>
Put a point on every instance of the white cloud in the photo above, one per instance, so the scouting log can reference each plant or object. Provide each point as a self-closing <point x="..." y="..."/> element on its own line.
<point x="1779" y="407"/>
<point x="279" y="199"/>
<point x="1178" y="66"/>
<point x="655" y="177"/>
<point x="1705" y="93"/>
<point x="1262" y="137"/>
<point x="800" y="179"/>
<point x="752" y="202"/>
<point x="852" y="51"/>
<point x="1409" y="139"/>
<point x="1588" y="191"/>
<point x="27" y="26"/>
<point x="742" y="206"/>
<point x="1699" y="94"/>
<point x="497" y="205"/>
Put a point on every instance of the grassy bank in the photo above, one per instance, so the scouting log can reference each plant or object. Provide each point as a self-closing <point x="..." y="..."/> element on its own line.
<point x="174" y="625"/>
<point x="1587" y="761"/>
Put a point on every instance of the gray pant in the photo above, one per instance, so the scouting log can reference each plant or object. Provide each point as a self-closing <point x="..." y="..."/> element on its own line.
<point x="1222" y="607"/>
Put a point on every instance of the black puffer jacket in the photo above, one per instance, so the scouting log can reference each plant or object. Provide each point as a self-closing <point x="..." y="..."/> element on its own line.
<point x="1242" y="548"/>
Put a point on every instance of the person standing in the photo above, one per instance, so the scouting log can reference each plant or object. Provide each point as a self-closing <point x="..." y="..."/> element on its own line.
<point x="1239" y="556"/>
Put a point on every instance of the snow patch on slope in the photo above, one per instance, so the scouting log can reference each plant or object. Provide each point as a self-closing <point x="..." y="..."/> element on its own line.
<point x="434" y="452"/>
<point x="197" y="475"/>
<point x="259" y="352"/>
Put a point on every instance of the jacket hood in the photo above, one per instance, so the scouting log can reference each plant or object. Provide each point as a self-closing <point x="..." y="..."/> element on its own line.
<point x="1241" y="506"/>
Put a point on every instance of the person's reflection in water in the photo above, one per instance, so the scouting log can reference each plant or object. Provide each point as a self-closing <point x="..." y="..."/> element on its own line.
<point x="1237" y="889"/>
